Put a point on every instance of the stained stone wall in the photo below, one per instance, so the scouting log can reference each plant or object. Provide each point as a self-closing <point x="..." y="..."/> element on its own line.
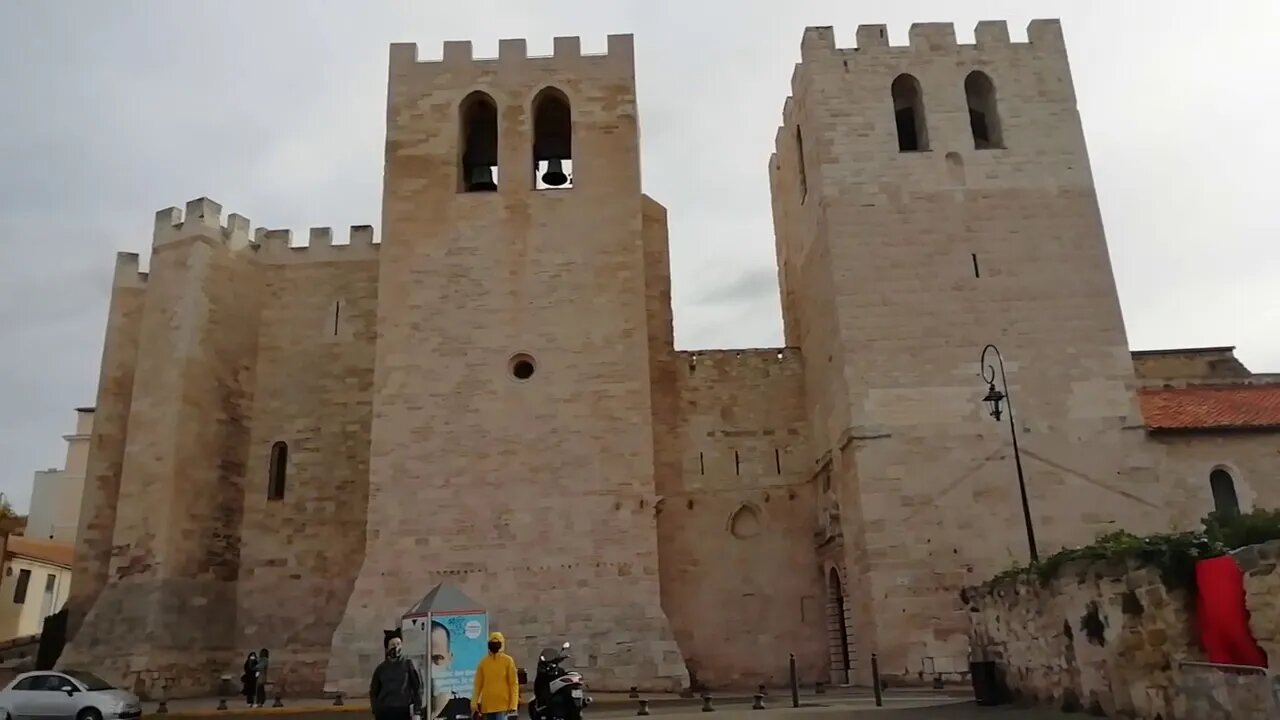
<point x="1108" y="638"/>
<point x="740" y="578"/>
<point x="536" y="496"/>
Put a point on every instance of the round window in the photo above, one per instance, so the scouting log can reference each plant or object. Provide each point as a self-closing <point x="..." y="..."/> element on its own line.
<point x="522" y="366"/>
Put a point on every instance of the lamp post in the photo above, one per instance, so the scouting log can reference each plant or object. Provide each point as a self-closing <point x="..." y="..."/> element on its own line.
<point x="993" y="399"/>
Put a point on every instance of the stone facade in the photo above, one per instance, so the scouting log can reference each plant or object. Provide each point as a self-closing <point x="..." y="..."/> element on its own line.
<point x="1111" y="639"/>
<point x="294" y="443"/>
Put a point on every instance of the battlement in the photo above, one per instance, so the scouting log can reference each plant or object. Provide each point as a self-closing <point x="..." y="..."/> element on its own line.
<point x="127" y="273"/>
<point x="513" y="55"/>
<point x="274" y="247"/>
<point x="203" y="218"/>
<point x="737" y="362"/>
<point x="927" y="38"/>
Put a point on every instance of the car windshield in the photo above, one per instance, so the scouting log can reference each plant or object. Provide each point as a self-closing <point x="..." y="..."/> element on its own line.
<point x="90" y="681"/>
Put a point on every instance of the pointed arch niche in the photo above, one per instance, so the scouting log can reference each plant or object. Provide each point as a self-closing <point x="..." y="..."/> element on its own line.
<point x="746" y="522"/>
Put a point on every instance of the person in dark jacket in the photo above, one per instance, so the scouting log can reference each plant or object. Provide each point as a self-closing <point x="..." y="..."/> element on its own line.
<point x="395" y="693"/>
<point x="264" y="661"/>
<point x="249" y="680"/>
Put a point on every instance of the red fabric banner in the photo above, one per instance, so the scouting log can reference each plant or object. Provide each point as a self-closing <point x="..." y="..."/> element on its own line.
<point x="1222" y="616"/>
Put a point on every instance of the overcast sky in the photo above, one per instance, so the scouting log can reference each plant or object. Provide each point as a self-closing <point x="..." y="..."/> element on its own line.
<point x="110" y="111"/>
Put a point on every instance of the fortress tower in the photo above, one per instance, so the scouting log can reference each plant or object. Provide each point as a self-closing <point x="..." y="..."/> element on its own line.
<point x="512" y="447"/>
<point x="928" y="200"/>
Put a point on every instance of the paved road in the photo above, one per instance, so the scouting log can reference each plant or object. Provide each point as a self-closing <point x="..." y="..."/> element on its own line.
<point x="902" y="708"/>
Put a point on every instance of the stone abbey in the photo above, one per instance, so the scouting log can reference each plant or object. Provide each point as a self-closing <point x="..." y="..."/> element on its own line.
<point x="294" y="442"/>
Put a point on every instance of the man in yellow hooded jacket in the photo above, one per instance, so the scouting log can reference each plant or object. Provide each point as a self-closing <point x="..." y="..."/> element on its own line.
<point x="497" y="691"/>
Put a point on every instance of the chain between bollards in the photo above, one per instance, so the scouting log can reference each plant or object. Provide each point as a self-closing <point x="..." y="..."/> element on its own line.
<point x="875" y="679"/>
<point x="795" y="684"/>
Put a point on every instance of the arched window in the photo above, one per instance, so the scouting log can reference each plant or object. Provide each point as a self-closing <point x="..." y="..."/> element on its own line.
<point x="984" y="116"/>
<point x="552" y="140"/>
<point x="478" y="143"/>
<point x="1224" y="492"/>
<point x="908" y="112"/>
<point x="279" y="467"/>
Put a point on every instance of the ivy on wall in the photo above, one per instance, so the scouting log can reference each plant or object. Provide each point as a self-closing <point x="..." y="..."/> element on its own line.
<point x="1174" y="555"/>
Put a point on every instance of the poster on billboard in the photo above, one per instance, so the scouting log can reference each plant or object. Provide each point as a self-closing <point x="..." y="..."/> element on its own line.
<point x="446" y="635"/>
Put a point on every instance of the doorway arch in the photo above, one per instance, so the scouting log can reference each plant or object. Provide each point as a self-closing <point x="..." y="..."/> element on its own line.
<point x="838" y="630"/>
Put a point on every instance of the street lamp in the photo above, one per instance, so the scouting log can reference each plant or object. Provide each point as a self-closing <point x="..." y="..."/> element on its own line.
<point x="993" y="399"/>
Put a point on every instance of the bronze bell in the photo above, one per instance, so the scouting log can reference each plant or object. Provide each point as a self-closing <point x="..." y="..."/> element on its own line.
<point x="480" y="179"/>
<point x="554" y="176"/>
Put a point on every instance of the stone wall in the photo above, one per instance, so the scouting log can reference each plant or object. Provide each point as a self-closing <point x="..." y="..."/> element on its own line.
<point x="301" y="553"/>
<point x="1108" y="637"/>
<point x="740" y="580"/>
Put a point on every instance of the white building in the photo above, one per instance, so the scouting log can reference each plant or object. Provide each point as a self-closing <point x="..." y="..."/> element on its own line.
<point x="55" y="494"/>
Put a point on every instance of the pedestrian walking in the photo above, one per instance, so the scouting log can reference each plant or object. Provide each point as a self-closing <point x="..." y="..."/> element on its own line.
<point x="497" y="689"/>
<point x="395" y="692"/>
<point x="249" y="679"/>
<point x="264" y="661"/>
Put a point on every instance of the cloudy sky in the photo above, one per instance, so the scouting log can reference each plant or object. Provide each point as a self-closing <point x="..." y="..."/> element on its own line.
<point x="110" y="111"/>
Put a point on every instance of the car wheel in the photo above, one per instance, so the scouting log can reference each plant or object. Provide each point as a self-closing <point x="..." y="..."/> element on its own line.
<point x="89" y="714"/>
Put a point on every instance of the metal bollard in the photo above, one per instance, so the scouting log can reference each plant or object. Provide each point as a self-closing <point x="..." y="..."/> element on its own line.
<point x="759" y="702"/>
<point x="635" y="692"/>
<point x="819" y="689"/>
<point x="224" y="689"/>
<point x="795" y="684"/>
<point x="279" y="698"/>
<point x="760" y="689"/>
<point x="644" y="707"/>
<point x="706" y="703"/>
<point x="337" y="700"/>
<point x="937" y="682"/>
<point x="875" y="679"/>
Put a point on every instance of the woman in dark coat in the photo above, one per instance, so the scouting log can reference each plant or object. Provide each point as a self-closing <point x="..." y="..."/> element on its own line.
<point x="249" y="680"/>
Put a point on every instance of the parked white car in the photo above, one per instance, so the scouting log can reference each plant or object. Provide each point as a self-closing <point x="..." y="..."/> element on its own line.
<point x="66" y="695"/>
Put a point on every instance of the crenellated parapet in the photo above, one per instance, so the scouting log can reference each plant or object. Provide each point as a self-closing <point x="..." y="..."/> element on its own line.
<point x="927" y="38"/>
<point x="513" y="56"/>
<point x="924" y="40"/>
<point x="274" y="247"/>
<point x="202" y="219"/>
<point x="127" y="273"/>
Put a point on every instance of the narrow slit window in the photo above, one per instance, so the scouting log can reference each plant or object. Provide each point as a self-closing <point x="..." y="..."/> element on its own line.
<point x="702" y="465"/>
<point x="478" y="143"/>
<point x="777" y="461"/>
<point x="737" y="463"/>
<point x="908" y="113"/>
<point x="976" y="272"/>
<point x="984" y="115"/>
<point x="279" y="467"/>
<point x="337" y="313"/>
<point x="552" y="140"/>
<point x="804" y="180"/>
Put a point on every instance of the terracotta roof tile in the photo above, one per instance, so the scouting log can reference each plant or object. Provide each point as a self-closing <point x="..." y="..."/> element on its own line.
<point x="1217" y="407"/>
<point x="48" y="551"/>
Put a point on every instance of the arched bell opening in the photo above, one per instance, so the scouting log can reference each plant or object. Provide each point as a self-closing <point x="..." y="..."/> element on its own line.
<point x="552" y="140"/>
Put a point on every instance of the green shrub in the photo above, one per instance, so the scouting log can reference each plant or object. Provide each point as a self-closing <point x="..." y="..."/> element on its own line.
<point x="1174" y="555"/>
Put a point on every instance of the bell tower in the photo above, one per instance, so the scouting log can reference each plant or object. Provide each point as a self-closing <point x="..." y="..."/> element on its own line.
<point x="930" y="199"/>
<point x="512" y="446"/>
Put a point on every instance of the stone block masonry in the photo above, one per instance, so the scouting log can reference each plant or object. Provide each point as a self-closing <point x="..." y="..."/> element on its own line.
<point x="296" y="439"/>
<point x="1110" y="638"/>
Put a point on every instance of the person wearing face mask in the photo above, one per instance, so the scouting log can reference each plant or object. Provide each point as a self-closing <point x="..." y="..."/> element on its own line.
<point x="497" y="690"/>
<point x="395" y="693"/>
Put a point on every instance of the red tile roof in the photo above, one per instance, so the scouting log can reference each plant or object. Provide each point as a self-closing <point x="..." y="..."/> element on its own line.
<point x="1216" y="407"/>
<point x="46" y="551"/>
